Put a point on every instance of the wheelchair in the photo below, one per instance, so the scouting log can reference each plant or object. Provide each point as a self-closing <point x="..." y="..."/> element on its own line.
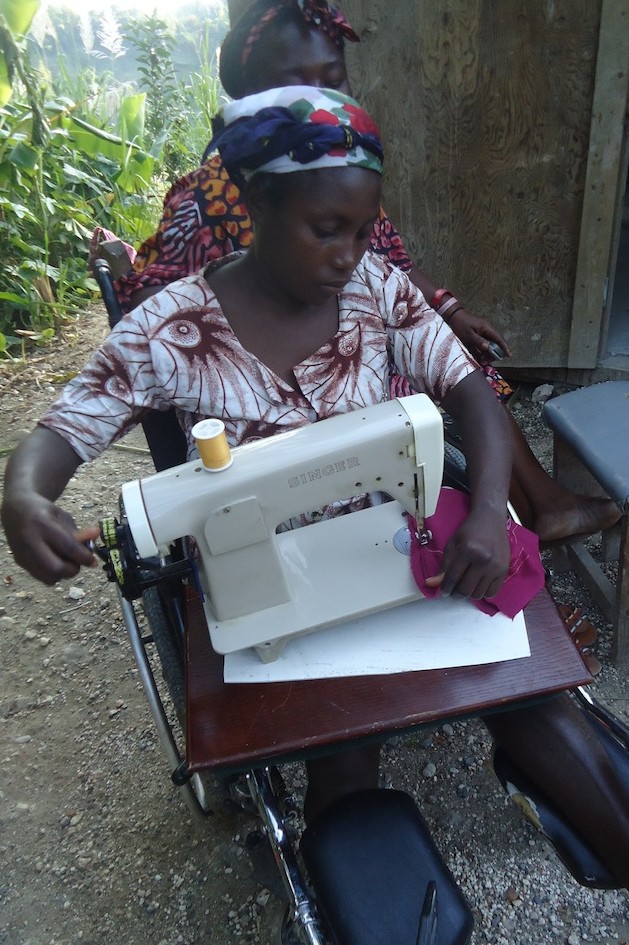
<point x="366" y="869"/>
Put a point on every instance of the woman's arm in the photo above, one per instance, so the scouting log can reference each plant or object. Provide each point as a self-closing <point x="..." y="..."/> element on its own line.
<point x="475" y="333"/>
<point x="43" y="537"/>
<point x="476" y="559"/>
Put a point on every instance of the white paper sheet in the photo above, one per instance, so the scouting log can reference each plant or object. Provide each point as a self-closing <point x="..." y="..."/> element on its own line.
<point x="426" y="634"/>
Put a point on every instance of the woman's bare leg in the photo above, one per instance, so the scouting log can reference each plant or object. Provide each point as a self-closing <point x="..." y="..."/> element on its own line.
<point x="332" y="776"/>
<point x="547" y="508"/>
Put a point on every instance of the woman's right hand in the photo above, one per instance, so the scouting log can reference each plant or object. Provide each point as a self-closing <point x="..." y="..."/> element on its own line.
<point x="44" y="539"/>
<point x="477" y="334"/>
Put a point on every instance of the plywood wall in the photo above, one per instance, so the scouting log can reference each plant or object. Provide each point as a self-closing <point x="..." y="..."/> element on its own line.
<point x="485" y="111"/>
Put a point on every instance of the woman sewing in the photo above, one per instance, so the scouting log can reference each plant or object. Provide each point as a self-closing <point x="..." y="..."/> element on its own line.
<point x="269" y="341"/>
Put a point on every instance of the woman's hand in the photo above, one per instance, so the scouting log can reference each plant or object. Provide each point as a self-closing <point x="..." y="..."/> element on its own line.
<point x="44" y="538"/>
<point x="476" y="559"/>
<point x="476" y="334"/>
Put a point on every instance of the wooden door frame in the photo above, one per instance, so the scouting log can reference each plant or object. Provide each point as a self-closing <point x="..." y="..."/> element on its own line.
<point x="602" y="185"/>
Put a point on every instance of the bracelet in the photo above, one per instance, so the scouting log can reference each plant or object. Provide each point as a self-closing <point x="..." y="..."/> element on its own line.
<point x="437" y="298"/>
<point x="449" y="308"/>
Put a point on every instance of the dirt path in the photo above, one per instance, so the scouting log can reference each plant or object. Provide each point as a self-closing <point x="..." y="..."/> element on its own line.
<point x="97" y="847"/>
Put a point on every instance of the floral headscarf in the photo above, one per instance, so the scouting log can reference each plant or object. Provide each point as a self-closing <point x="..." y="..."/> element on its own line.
<point x="294" y="129"/>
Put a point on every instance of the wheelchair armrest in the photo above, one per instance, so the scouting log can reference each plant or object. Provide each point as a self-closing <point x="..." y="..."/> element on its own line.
<point x="105" y="280"/>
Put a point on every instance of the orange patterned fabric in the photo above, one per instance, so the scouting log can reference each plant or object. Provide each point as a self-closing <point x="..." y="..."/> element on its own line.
<point x="204" y="218"/>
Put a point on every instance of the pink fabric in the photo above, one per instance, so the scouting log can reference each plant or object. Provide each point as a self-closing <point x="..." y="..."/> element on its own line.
<point x="525" y="577"/>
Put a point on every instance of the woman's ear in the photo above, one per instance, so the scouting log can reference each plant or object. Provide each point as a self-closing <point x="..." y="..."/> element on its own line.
<point x="256" y="198"/>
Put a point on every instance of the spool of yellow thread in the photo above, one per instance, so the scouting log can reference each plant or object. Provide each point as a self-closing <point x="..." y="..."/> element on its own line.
<point x="212" y="444"/>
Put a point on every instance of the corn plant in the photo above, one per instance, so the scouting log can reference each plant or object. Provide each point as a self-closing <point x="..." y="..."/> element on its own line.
<point x="78" y="151"/>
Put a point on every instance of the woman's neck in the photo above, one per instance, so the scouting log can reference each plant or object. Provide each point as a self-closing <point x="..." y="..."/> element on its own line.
<point x="271" y="300"/>
<point x="281" y="331"/>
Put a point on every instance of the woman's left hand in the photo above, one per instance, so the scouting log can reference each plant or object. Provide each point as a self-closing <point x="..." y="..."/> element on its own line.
<point x="476" y="334"/>
<point x="476" y="559"/>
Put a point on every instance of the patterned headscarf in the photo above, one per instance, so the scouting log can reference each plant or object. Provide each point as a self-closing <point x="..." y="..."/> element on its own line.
<point x="295" y="128"/>
<point x="315" y="12"/>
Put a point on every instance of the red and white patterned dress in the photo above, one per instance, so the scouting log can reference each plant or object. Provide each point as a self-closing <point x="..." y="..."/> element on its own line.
<point x="178" y="350"/>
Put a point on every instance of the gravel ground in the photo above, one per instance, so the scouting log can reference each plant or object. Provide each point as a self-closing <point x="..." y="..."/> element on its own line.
<point x="96" y="845"/>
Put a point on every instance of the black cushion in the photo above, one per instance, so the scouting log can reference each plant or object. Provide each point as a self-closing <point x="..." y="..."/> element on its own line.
<point x="370" y="858"/>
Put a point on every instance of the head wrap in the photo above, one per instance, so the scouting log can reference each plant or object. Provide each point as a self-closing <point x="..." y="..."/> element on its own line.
<point x="317" y="13"/>
<point x="295" y="128"/>
<point x="239" y="43"/>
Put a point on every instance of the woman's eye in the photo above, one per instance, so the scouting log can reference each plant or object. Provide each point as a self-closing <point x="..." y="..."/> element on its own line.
<point x="323" y="233"/>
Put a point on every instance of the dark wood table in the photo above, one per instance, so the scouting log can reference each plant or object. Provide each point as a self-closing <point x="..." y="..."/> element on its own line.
<point x="241" y="725"/>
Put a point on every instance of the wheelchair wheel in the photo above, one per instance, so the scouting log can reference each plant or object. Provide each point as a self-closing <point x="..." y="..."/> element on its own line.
<point x="455" y="468"/>
<point x="166" y="640"/>
<point x="202" y="792"/>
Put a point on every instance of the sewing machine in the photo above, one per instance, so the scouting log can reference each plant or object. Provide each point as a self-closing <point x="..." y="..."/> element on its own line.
<point x="261" y="586"/>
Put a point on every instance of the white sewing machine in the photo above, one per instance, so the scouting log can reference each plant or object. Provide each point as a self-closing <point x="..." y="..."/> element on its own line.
<point x="262" y="587"/>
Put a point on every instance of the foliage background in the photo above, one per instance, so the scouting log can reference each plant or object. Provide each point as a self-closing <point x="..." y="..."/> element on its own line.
<point x="105" y="110"/>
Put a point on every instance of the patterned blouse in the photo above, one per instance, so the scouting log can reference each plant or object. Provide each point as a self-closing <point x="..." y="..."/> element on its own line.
<point x="177" y="349"/>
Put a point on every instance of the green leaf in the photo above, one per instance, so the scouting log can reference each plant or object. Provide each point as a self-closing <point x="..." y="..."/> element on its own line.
<point x="157" y="148"/>
<point x="35" y="265"/>
<point x="24" y="156"/>
<point x="16" y="299"/>
<point x="77" y="125"/>
<point x="75" y="227"/>
<point x="76" y="175"/>
<point x="132" y="110"/>
<point x="18" y="210"/>
<point x="136" y="174"/>
<point x="45" y="336"/>
<point x="26" y="248"/>
<point x="5" y="84"/>
<point x="49" y="203"/>
<point x="95" y="142"/>
<point x="60" y="105"/>
<point x="19" y="14"/>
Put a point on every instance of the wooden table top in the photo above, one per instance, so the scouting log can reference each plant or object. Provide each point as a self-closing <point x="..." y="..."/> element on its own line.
<point x="241" y="725"/>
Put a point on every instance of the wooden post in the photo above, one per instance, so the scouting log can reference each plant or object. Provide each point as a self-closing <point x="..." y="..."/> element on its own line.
<point x="601" y="183"/>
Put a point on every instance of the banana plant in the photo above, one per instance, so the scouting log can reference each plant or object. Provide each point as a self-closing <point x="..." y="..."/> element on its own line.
<point x="136" y="165"/>
<point x="16" y="17"/>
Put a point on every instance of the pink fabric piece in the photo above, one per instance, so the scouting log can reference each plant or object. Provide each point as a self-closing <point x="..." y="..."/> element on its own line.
<point x="525" y="577"/>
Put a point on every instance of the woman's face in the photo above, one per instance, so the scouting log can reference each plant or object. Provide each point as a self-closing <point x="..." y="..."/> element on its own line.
<point x="299" y="56"/>
<point x="309" y="243"/>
